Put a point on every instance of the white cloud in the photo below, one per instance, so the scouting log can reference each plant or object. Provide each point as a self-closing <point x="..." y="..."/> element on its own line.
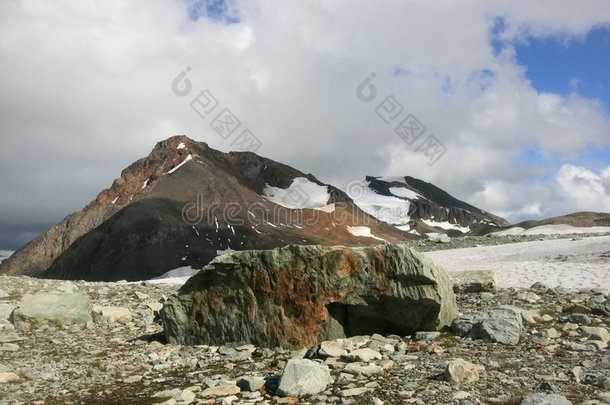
<point x="86" y="84"/>
<point x="587" y="191"/>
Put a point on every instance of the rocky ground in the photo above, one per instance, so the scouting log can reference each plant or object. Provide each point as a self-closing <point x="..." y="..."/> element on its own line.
<point x="121" y="356"/>
<point x="425" y="245"/>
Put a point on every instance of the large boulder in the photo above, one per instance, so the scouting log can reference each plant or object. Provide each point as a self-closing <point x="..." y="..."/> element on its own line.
<point x="503" y="325"/>
<point x="52" y="309"/>
<point x="298" y="296"/>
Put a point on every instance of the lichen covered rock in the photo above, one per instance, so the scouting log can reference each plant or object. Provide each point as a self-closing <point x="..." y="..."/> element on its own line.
<point x="297" y="296"/>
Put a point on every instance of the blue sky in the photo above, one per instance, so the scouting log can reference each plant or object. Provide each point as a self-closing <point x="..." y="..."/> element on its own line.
<point x="565" y="65"/>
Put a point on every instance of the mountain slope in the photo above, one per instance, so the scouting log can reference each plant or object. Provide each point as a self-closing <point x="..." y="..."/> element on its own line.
<point x="419" y="207"/>
<point x="185" y="202"/>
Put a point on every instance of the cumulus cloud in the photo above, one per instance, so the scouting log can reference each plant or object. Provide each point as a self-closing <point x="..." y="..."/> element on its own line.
<point x="86" y="91"/>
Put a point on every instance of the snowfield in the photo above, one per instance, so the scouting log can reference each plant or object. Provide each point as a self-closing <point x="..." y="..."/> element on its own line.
<point x="583" y="263"/>
<point x="301" y="194"/>
<point x="363" y="231"/>
<point x="392" y="210"/>
<point x="446" y="225"/>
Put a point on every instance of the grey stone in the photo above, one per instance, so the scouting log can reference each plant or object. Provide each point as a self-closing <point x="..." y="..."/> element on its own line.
<point x="540" y="398"/>
<point x="52" y="309"/>
<point x="502" y="325"/>
<point x="250" y="383"/>
<point x="5" y="311"/>
<point x="580" y="319"/>
<point x="304" y="377"/>
<point x="426" y="335"/>
<point x="473" y="281"/>
<point x="603" y="308"/>
<point x="365" y="370"/>
<point x="596" y="333"/>
<point x="463" y="324"/>
<point x="364" y="355"/>
<point x="327" y="293"/>
<point x="579" y="347"/>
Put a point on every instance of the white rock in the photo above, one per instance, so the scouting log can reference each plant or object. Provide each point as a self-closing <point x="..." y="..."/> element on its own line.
<point x="364" y="355"/>
<point x="229" y="400"/>
<point x="460" y="371"/>
<point x="355" y="392"/>
<point x="359" y="369"/>
<point x="528" y="296"/>
<point x="333" y="348"/>
<point x="8" y="378"/>
<point x="304" y="377"/>
<point x="111" y="314"/>
<point x="221" y="391"/>
<point x="460" y="395"/>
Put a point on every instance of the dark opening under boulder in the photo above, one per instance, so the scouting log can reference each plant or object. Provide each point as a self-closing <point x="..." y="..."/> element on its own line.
<point x="297" y="296"/>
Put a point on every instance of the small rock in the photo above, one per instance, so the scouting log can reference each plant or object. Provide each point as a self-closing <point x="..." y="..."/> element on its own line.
<point x="133" y="379"/>
<point x="528" y="296"/>
<point x="9" y="347"/>
<point x="5" y="311"/>
<point x="473" y="281"/>
<point x="569" y="326"/>
<point x="358" y="369"/>
<point x="551" y="333"/>
<point x="596" y="333"/>
<point x="540" y="398"/>
<point x="580" y="319"/>
<point x="8" y="377"/>
<point x="304" y="377"/>
<point x="577" y="308"/>
<point x="355" y="392"/>
<point x="603" y="308"/>
<point x="578" y="373"/>
<point x="220" y="391"/>
<point x="111" y="314"/>
<point x="229" y="400"/>
<point x="333" y="348"/>
<point x="579" y="347"/>
<point x="364" y="355"/>
<point x="460" y="371"/>
<point x="460" y="395"/>
<point x="250" y="383"/>
<point x="426" y="335"/>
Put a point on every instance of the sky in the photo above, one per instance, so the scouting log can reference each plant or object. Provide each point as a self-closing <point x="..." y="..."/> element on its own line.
<point x="504" y="104"/>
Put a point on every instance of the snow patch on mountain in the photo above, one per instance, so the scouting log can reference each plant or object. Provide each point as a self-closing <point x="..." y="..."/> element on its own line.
<point x="393" y="210"/>
<point x="404" y="192"/>
<point x="188" y="158"/>
<point x="363" y="231"/>
<point x="446" y="225"/>
<point x="301" y="194"/>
